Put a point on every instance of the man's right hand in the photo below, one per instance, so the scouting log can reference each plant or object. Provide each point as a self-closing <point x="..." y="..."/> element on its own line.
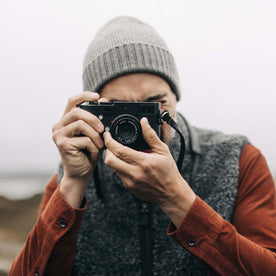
<point x="77" y="136"/>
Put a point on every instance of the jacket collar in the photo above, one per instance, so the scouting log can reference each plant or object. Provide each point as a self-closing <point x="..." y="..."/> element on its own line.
<point x="195" y="146"/>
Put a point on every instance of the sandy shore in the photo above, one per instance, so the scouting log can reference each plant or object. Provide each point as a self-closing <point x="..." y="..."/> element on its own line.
<point x="17" y="218"/>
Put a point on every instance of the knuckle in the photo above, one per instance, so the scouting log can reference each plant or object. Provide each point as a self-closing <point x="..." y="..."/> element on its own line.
<point x="151" y="133"/>
<point x="108" y="158"/>
<point x="61" y="143"/>
<point x="125" y="184"/>
<point x="54" y="128"/>
<point x="94" y="151"/>
<point x="107" y="161"/>
<point x="81" y="124"/>
<point x="75" y="112"/>
<point x="135" y="178"/>
<point x="92" y="119"/>
<point x="71" y="100"/>
<point x="146" y="166"/>
<point x="130" y="185"/>
<point x="120" y="153"/>
<point x="55" y="135"/>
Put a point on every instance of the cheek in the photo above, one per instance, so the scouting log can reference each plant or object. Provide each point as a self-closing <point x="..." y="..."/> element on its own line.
<point x="166" y="133"/>
<point x="169" y="106"/>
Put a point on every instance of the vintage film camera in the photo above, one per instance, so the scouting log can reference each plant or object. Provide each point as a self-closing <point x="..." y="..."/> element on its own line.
<point x="122" y="120"/>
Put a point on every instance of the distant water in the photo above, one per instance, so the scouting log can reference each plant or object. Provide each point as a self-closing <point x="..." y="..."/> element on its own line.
<point x="21" y="186"/>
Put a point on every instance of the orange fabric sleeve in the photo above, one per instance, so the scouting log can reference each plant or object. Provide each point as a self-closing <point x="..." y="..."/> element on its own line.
<point x="50" y="189"/>
<point x="256" y="200"/>
<point x="246" y="247"/>
<point x="52" y="242"/>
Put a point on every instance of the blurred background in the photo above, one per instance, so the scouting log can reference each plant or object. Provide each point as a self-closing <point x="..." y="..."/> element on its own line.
<point x="225" y="54"/>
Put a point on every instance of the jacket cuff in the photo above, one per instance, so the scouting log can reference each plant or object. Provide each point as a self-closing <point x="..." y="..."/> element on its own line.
<point x="199" y="228"/>
<point x="58" y="216"/>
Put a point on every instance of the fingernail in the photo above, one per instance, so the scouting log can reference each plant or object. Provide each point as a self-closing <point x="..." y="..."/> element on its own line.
<point x="105" y="136"/>
<point x="100" y="127"/>
<point x="94" y="94"/>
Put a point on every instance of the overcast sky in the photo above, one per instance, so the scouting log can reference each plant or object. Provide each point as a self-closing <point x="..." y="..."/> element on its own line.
<point x="224" y="50"/>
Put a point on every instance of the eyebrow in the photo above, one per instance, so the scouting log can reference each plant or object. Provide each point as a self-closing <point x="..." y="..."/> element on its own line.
<point x="149" y="99"/>
<point x="155" y="97"/>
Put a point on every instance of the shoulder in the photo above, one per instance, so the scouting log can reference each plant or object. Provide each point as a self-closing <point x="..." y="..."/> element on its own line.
<point x="208" y="138"/>
<point x="254" y="169"/>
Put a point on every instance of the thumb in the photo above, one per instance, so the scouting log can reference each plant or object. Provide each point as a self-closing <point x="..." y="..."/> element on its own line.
<point x="150" y="135"/>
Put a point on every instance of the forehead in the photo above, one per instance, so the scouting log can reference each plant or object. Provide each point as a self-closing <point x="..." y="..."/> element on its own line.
<point x="135" y="87"/>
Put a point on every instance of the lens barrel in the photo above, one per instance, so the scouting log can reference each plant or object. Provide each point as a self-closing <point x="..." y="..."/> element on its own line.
<point x="126" y="129"/>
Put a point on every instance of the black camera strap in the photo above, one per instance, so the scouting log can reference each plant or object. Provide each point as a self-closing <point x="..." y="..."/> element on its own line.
<point x="165" y="116"/>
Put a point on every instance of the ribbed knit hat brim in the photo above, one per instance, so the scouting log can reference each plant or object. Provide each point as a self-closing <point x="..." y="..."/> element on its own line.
<point x="123" y="46"/>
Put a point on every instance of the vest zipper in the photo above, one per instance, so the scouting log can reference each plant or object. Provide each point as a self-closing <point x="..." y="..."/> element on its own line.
<point x="146" y="239"/>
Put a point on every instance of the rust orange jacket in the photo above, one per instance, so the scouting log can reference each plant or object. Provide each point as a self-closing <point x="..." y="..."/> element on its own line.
<point x="245" y="247"/>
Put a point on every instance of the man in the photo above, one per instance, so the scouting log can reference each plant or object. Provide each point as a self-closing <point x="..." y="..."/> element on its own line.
<point x="221" y="204"/>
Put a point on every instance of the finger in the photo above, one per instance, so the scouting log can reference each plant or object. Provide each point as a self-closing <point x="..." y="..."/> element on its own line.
<point x="76" y="100"/>
<point x="124" y="153"/>
<point x="127" y="181"/>
<point x="117" y="165"/>
<point x="78" y="143"/>
<point x="84" y="143"/>
<point x="79" y="114"/>
<point x="80" y="127"/>
<point x="150" y="135"/>
<point x="103" y="100"/>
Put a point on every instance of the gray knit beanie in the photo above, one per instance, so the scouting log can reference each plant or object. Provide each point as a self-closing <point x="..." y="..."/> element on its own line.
<point x="126" y="45"/>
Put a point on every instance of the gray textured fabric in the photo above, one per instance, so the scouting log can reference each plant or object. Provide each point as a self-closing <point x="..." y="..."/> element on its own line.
<point x="109" y="242"/>
<point x="127" y="45"/>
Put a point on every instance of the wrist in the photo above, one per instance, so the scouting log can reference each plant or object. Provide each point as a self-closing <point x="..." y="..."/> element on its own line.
<point x="73" y="190"/>
<point x="178" y="205"/>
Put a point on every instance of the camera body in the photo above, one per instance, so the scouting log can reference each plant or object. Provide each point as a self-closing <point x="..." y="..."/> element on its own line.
<point x="122" y="120"/>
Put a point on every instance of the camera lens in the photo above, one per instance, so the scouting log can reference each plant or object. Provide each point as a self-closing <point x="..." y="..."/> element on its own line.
<point x="126" y="129"/>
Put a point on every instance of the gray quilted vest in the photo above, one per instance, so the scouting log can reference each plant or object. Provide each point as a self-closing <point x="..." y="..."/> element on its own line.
<point x="121" y="235"/>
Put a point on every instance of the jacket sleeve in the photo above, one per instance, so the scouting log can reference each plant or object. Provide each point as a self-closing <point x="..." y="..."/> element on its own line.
<point x="246" y="247"/>
<point x="51" y="245"/>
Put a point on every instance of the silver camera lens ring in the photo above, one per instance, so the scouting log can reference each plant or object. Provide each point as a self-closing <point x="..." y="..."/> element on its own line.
<point x="126" y="129"/>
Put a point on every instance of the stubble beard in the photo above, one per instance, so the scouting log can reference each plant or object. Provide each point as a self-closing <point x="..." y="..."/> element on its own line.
<point x="167" y="134"/>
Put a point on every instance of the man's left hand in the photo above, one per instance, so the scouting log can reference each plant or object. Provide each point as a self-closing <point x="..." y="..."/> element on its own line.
<point x="151" y="176"/>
